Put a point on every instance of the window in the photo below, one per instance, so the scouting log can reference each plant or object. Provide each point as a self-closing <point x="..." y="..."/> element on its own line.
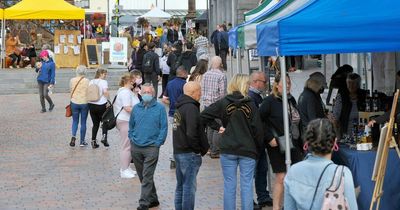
<point x="82" y="3"/>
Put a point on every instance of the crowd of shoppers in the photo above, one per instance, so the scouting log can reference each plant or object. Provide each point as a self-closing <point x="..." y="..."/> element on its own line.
<point x="238" y="123"/>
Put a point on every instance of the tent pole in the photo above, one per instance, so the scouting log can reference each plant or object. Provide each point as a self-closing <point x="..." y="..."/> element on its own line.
<point x="84" y="28"/>
<point x="248" y="61"/>
<point x="324" y="63"/>
<point x="261" y="63"/>
<point x="2" y="38"/>
<point x="231" y="63"/>
<point x="365" y="71"/>
<point x="237" y="60"/>
<point x="285" y="112"/>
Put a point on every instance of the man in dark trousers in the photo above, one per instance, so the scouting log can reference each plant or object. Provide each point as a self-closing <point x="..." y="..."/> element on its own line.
<point x="190" y="143"/>
<point x="214" y="40"/>
<point x="151" y="67"/>
<point x="173" y="91"/>
<point x="223" y="45"/>
<point x="258" y="84"/>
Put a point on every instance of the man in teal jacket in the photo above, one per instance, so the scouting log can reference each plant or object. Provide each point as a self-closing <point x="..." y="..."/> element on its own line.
<point x="147" y="131"/>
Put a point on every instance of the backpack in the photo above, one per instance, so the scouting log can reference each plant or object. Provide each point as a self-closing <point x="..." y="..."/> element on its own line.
<point x="334" y="198"/>
<point x="93" y="92"/>
<point x="148" y="64"/>
<point x="108" y="119"/>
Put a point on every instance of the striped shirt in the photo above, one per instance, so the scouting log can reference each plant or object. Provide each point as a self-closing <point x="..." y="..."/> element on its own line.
<point x="213" y="86"/>
<point x="201" y="42"/>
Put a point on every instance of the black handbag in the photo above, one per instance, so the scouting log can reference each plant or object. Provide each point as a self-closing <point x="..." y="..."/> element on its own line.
<point x="281" y="140"/>
<point x="109" y="120"/>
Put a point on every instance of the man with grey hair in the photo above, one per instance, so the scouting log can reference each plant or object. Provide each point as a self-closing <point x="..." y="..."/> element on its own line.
<point x="258" y="84"/>
<point x="147" y="132"/>
<point x="213" y="88"/>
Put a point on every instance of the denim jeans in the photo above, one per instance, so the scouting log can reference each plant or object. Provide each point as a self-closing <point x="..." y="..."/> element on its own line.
<point x="187" y="167"/>
<point x="229" y="164"/>
<point x="79" y="110"/>
<point x="261" y="178"/>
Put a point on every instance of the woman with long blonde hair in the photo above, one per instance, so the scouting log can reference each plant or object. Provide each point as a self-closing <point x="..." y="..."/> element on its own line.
<point x="272" y="115"/>
<point x="242" y="135"/>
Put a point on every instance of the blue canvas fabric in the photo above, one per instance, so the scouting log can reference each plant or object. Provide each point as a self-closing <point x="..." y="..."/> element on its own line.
<point x="328" y="27"/>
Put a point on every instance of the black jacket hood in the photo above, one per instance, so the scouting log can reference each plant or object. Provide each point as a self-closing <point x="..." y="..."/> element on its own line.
<point x="185" y="99"/>
<point x="237" y="97"/>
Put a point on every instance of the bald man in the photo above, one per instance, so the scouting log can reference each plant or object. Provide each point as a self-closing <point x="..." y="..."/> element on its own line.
<point x="190" y="143"/>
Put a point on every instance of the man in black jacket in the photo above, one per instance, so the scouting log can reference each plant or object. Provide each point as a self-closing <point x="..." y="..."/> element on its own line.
<point x="173" y="34"/>
<point x="151" y="67"/>
<point x="189" y="58"/>
<point x="190" y="143"/>
<point x="214" y="40"/>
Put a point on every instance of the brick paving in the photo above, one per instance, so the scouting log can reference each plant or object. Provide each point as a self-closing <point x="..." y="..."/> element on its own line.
<point x="40" y="171"/>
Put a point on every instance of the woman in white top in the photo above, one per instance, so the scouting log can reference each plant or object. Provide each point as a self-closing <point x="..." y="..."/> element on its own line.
<point x="123" y="105"/>
<point x="97" y="108"/>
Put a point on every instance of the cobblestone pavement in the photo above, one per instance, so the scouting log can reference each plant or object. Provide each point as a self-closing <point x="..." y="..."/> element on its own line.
<point x="39" y="170"/>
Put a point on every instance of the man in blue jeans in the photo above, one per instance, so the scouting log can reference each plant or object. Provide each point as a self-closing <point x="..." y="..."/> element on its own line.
<point x="258" y="84"/>
<point x="190" y="143"/>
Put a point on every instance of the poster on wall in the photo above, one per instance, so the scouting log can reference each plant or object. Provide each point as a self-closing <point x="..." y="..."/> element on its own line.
<point x="118" y="49"/>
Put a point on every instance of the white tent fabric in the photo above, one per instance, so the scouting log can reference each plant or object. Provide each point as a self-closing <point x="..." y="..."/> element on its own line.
<point x="156" y="13"/>
<point x="250" y="32"/>
<point x="266" y="8"/>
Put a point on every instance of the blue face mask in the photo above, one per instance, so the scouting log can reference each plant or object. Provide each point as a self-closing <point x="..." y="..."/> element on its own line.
<point x="147" y="98"/>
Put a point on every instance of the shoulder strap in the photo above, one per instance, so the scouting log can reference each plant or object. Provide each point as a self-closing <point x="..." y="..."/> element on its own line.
<point x="73" y="91"/>
<point x="338" y="175"/>
<point x="319" y="180"/>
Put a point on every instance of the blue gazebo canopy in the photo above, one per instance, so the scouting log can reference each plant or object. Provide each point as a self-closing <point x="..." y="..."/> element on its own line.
<point x="339" y="26"/>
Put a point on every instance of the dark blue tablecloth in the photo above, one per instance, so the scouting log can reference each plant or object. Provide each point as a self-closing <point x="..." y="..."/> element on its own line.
<point x="361" y="164"/>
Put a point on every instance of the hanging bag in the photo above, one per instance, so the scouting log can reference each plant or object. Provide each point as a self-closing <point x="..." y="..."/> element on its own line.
<point x="334" y="198"/>
<point x="109" y="120"/>
<point x="68" y="110"/>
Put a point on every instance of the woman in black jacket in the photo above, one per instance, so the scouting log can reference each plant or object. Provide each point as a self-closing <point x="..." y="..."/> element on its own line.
<point x="271" y="112"/>
<point x="242" y="135"/>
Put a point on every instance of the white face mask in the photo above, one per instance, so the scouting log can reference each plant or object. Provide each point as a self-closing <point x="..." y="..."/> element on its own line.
<point x="139" y="81"/>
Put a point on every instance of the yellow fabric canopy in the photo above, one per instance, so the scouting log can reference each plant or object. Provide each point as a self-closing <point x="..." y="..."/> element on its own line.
<point x="44" y="9"/>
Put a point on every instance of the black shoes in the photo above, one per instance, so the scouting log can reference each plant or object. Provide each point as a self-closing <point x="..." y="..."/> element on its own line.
<point x="104" y="140"/>
<point x="267" y="202"/>
<point x="142" y="207"/>
<point x="256" y="206"/>
<point x="94" y="144"/>
<point x="154" y="204"/>
<point x="72" y="143"/>
<point x="51" y="107"/>
<point x="43" y="111"/>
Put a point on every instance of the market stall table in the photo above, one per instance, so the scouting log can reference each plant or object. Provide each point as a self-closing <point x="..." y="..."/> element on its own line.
<point x="361" y="164"/>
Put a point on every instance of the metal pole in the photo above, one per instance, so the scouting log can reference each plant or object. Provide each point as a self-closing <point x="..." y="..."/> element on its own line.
<point x="285" y="112"/>
<point x="238" y="64"/>
<point x="366" y="71"/>
<point x="84" y="28"/>
<point x="3" y="36"/>
<point x="324" y="63"/>
<point x="248" y="61"/>
<point x="233" y="12"/>
<point x="108" y="12"/>
<point x="164" y="5"/>
<point x="261" y="63"/>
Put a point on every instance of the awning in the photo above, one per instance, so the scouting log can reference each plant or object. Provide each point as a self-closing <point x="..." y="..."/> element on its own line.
<point x="256" y="11"/>
<point x="328" y="27"/>
<point x="44" y="9"/>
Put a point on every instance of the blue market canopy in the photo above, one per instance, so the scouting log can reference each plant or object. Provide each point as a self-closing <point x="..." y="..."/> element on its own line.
<point x="327" y="27"/>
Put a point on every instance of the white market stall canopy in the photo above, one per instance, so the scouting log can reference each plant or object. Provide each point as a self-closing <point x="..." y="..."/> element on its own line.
<point x="156" y="13"/>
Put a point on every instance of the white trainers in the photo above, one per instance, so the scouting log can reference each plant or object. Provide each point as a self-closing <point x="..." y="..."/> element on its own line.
<point x="132" y="171"/>
<point x="127" y="174"/>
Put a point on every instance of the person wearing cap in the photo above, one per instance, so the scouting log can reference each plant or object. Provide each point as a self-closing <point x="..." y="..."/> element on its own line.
<point x="311" y="105"/>
<point x="46" y="78"/>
